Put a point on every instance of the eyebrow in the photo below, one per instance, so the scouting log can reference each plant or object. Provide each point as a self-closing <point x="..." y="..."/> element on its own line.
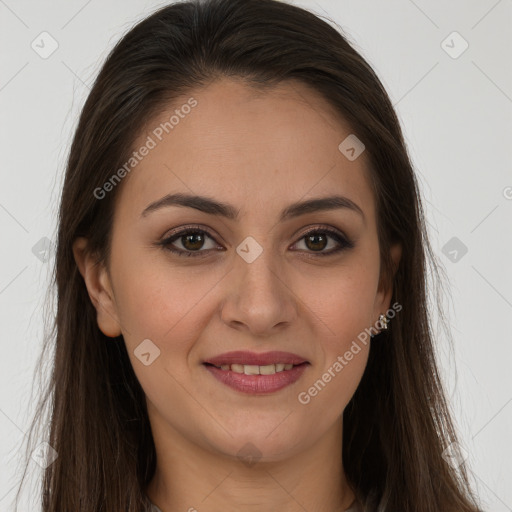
<point x="213" y="207"/>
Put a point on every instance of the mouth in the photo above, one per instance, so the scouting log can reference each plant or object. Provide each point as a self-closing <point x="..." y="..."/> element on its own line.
<point x="264" y="359"/>
<point x="254" y="373"/>
<point x="253" y="369"/>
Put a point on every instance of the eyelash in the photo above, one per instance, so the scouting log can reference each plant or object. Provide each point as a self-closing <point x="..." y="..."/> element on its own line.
<point x="345" y="243"/>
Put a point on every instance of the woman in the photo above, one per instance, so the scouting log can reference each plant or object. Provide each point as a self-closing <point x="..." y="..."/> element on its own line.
<point x="242" y="317"/>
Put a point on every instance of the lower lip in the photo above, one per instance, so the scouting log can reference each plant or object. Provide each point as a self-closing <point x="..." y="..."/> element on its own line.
<point x="257" y="384"/>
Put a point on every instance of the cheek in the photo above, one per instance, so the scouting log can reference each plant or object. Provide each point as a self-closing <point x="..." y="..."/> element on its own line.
<point x="166" y="304"/>
<point x="342" y="354"/>
<point x="151" y="294"/>
<point x="342" y="299"/>
<point x="343" y="305"/>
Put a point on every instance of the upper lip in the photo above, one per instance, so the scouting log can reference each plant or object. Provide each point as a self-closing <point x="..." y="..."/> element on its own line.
<point x="253" y="358"/>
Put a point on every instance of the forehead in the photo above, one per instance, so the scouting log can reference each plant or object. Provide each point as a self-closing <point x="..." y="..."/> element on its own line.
<point x="255" y="147"/>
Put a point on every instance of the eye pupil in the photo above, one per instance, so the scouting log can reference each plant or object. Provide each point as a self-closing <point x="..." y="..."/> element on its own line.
<point x="189" y="238"/>
<point x="315" y="237"/>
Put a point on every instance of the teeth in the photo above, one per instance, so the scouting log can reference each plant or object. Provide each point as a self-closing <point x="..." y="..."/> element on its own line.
<point x="269" y="369"/>
<point x="252" y="369"/>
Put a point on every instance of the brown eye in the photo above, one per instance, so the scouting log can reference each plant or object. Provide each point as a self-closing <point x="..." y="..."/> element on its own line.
<point x="317" y="240"/>
<point x="192" y="242"/>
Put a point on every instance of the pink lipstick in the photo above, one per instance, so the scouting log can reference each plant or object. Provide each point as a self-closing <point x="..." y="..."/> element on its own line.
<point x="254" y="373"/>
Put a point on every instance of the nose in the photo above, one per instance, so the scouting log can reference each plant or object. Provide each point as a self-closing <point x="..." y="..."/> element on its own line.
<point x="258" y="298"/>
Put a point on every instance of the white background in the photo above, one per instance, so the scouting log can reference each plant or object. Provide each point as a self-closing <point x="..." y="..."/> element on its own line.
<point x="456" y="115"/>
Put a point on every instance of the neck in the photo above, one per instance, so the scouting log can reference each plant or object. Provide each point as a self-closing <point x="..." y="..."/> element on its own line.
<point x="189" y="477"/>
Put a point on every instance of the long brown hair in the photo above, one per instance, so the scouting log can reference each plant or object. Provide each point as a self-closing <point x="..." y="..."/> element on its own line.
<point x="397" y="424"/>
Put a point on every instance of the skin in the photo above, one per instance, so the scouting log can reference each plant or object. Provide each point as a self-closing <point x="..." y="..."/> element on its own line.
<point x="259" y="152"/>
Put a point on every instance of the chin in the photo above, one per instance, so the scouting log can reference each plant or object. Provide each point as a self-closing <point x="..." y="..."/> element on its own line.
<point x="256" y="445"/>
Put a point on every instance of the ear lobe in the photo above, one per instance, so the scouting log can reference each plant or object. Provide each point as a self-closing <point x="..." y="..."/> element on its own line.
<point x="99" y="288"/>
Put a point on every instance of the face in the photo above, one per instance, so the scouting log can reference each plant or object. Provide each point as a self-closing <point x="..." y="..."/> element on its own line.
<point x="198" y="284"/>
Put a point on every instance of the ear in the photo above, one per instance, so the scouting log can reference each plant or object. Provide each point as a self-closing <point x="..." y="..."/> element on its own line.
<point x="99" y="288"/>
<point x="385" y="290"/>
